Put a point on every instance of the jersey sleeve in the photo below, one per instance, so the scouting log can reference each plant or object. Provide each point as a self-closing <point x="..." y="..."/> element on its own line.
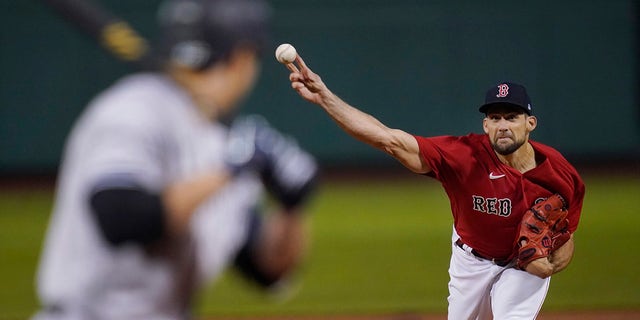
<point x="575" y="204"/>
<point x="561" y="177"/>
<point x="443" y="154"/>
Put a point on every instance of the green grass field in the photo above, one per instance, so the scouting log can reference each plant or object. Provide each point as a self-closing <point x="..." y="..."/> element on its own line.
<point x="377" y="246"/>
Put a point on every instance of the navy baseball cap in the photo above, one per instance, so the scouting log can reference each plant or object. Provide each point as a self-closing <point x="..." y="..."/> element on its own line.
<point x="507" y="93"/>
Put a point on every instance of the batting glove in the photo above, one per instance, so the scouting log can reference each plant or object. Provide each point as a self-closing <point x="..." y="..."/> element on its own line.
<point x="288" y="172"/>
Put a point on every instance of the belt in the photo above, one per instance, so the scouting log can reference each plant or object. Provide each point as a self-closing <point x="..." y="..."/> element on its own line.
<point x="498" y="262"/>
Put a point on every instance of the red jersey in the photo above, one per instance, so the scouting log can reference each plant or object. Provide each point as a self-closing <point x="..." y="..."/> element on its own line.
<point x="488" y="198"/>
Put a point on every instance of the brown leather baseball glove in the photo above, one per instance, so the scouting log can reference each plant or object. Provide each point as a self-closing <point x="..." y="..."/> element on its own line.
<point x="543" y="229"/>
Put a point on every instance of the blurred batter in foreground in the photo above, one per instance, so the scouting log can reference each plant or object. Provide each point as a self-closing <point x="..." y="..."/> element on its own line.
<point x="156" y="196"/>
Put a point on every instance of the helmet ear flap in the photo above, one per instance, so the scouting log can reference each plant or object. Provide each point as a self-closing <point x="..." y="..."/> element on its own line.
<point x="193" y="54"/>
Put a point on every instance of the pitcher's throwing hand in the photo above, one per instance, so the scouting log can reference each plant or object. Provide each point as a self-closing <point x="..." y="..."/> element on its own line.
<point x="308" y="84"/>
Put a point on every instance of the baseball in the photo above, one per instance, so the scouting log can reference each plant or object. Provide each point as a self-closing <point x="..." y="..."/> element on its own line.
<point x="286" y="53"/>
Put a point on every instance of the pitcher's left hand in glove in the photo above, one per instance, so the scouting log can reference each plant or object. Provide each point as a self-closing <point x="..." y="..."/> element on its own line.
<point x="543" y="229"/>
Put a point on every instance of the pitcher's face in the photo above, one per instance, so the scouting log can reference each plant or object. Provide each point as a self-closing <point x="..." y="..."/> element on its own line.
<point x="508" y="128"/>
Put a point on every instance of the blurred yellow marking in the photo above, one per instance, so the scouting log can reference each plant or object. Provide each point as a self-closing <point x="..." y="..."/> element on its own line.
<point x="123" y="41"/>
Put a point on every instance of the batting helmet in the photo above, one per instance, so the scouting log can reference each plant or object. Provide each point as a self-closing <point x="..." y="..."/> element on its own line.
<point x="197" y="33"/>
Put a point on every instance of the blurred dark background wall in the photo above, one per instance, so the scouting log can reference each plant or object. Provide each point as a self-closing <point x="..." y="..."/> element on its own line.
<point x="422" y="66"/>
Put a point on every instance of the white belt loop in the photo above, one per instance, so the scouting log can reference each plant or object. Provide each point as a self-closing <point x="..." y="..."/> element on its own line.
<point x="467" y="249"/>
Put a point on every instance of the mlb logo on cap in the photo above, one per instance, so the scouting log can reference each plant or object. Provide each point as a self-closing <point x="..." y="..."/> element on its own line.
<point x="507" y="93"/>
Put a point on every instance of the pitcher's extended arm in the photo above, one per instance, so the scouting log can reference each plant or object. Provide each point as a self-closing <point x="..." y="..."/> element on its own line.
<point x="356" y="123"/>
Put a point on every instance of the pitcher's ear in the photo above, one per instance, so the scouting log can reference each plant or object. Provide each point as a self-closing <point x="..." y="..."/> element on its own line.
<point x="532" y="123"/>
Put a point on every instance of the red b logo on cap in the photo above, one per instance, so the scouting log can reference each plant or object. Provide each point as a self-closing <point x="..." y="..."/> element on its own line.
<point x="503" y="90"/>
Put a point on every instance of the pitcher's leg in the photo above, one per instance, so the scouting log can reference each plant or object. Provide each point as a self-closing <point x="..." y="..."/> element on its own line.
<point x="518" y="295"/>
<point x="470" y="285"/>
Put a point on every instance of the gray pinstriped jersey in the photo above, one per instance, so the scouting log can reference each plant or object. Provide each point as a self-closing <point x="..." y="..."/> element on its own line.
<point x="143" y="129"/>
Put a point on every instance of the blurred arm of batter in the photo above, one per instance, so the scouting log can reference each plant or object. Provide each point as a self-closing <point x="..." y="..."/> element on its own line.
<point x="127" y="212"/>
<point x="182" y="198"/>
<point x="362" y="126"/>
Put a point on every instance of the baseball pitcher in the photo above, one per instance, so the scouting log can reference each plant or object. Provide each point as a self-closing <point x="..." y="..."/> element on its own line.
<point x="515" y="202"/>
